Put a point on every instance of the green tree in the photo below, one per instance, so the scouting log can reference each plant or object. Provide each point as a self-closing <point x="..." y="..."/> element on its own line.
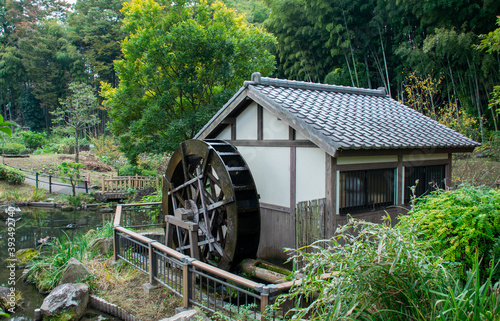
<point x="182" y="61"/>
<point x="491" y="44"/>
<point x="18" y="20"/>
<point x="94" y="28"/>
<point x="51" y="63"/>
<point x="31" y="111"/>
<point x="77" y="112"/>
<point x="71" y="171"/>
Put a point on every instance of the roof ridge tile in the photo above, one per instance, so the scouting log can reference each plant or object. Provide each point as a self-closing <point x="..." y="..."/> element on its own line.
<point x="275" y="82"/>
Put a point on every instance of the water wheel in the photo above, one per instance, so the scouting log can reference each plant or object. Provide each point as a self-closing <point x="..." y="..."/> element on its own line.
<point x="211" y="203"/>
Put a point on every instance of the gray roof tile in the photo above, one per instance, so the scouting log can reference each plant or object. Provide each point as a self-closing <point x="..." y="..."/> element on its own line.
<point x="354" y="118"/>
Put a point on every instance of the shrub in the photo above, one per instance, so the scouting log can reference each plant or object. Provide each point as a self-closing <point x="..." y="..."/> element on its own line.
<point x="460" y="224"/>
<point x="131" y="170"/>
<point x="378" y="273"/>
<point x="33" y="140"/>
<point x="11" y="175"/>
<point x="15" y="149"/>
<point x="384" y="273"/>
<point x="106" y="149"/>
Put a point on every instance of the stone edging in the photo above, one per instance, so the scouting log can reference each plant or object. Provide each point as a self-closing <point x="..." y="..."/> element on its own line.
<point x="109" y="308"/>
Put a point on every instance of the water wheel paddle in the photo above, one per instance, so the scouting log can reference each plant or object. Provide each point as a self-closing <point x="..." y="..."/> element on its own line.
<point x="211" y="203"/>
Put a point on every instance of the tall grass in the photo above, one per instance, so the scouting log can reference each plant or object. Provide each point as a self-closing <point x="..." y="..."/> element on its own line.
<point x="46" y="270"/>
<point x="377" y="272"/>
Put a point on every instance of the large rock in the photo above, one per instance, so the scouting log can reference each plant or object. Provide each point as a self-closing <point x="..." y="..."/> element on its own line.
<point x="103" y="245"/>
<point x="66" y="302"/>
<point x="75" y="271"/>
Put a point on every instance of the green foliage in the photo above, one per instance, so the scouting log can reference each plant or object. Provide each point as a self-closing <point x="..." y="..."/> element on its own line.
<point x="77" y="112"/>
<point x="95" y="27"/>
<point x="131" y="170"/>
<point x="180" y="60"/>
<point x="460" y="224"/>
<point x="32" y="111"/>
<point x="47" y="270"/>
<point x="4" y="314"/>
<point x="70" y="171"/>
<point x="11" y="175"/>
<point x="33" y="140"/>
<point x="4" y="127"/>
<point x="15" y="149"/>
<point x="382" y="274"/>
<point x="385" y="273"/>
<point x="492" y="147"/>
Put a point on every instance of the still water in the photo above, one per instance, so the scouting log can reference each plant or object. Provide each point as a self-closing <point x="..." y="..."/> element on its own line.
<point x="31" y="226"/>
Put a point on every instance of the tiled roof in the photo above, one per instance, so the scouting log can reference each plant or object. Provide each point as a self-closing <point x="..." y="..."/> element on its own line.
<point x="339" y="117"/>
<point x="353" y="118"/>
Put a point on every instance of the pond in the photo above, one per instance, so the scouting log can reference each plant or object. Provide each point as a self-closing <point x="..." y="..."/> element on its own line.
<point x="32" y="226"/>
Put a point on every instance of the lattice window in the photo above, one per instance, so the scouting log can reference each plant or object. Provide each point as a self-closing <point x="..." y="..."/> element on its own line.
<point x="429" y="179"/>
<point x="366" y="190"/>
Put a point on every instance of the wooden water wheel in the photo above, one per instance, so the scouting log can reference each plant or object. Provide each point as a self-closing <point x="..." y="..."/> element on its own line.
<point x="211" y="203"/>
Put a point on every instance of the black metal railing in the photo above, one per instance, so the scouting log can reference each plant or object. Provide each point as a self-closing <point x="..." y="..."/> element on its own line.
<point x="198" y="283"/>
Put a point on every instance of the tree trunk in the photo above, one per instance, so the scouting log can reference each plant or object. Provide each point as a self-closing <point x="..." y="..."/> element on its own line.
<point x="76" y="145"/>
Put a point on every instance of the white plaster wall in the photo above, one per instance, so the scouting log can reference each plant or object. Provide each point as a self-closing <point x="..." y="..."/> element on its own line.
<point x="310" y="174"/>
<point x="299" y="136"/>
<point x="270" y="167"/>
<point x="246" y="123"/>
<point x="272" y="127"/>
<point x="423" y="157"/>
<point x="366" y="159"/>
<point x="225" y="134"/>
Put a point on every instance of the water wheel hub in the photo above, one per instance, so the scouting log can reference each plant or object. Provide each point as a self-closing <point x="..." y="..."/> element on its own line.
<point x="211" y="203"/>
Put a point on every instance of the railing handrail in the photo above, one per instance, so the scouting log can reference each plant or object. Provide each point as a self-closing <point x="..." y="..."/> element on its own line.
<point x="263" y="290"/>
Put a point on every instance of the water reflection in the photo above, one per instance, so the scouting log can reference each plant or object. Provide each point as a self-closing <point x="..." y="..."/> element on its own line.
<point x="33" y="227"/>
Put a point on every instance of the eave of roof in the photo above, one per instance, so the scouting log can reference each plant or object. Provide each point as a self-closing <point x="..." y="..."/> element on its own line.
<point x="335" y="126"/>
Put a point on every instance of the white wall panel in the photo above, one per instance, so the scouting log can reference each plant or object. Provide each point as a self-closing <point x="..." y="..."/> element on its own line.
<point x="270" y="168"/>
<point x="310" y="174"/>
<point x="423" y="157"/>
<point x="273" y="127"/>
<point x="366" y="159"/>
<point x="299" y="136"/>
<point x="246" y="123"/>
<point x="225" y="134"/>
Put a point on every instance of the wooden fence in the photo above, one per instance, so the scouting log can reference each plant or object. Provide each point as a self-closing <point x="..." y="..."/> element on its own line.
<point x="120" y="184"/>
<point x="310" y="222"/>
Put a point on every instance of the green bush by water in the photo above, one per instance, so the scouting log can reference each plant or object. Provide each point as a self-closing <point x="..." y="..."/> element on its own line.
<point x="46" y="270"/>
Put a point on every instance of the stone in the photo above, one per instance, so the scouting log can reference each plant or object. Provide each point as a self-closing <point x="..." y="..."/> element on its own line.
<point x="24" y="256"/>
<point x="148" y="287"/>
<point x="66" y="302"/>
<point x="102" y="245"/>
<point x="187" y="315"/>
<point x="75" y="271"/>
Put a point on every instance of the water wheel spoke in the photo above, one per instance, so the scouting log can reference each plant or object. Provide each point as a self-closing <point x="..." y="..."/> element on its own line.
<point x="201" y="184"/>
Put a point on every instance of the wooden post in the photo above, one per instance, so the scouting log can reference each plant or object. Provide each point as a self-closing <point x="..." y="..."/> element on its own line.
<point x="187" y="282"/>
<point x="116" y="245"/>
<point x="36" y="179"/>
<point x="153" y="263"/>
<point x="103" y="184"/>
<point x="50" y="184"/>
